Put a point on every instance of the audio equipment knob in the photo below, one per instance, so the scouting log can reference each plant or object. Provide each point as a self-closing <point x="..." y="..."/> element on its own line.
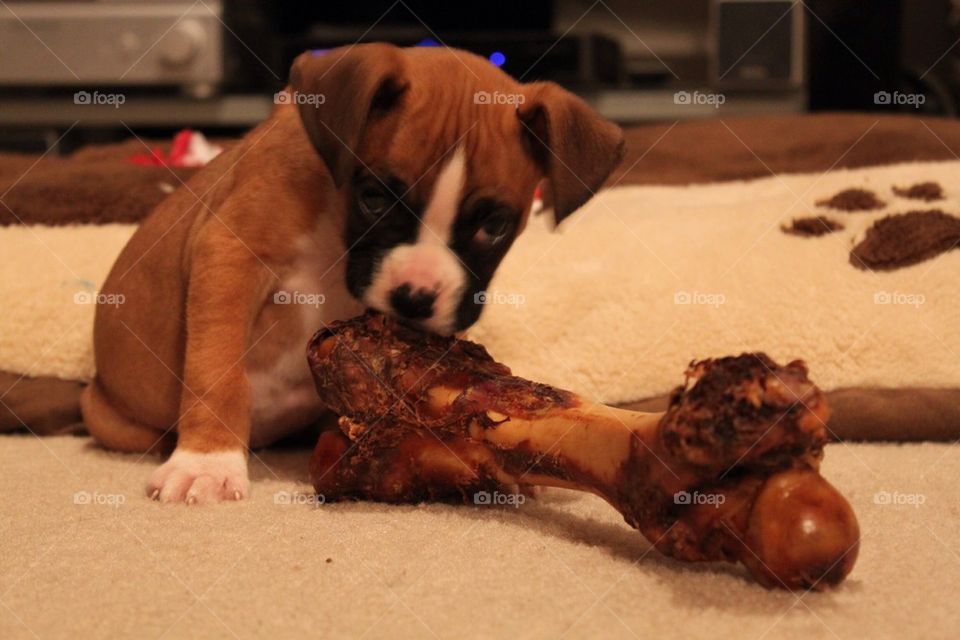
<point x="182" y="43"/>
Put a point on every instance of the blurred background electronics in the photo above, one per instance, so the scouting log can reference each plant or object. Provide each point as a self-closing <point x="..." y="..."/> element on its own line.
<point x="216" y="64"/>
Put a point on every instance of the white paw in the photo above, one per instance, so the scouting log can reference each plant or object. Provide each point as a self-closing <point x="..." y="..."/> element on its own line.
<point x="199" y="478"/>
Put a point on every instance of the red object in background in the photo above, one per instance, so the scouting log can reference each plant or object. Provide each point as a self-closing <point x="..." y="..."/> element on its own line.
<point x="181" y="144"/>
<point x="189" y="149"/>
<point x="537" y="205"/>
<point x="156" y="157"/>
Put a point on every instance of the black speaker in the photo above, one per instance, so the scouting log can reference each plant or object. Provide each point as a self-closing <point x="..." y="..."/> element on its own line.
<point x="757" y="44"/>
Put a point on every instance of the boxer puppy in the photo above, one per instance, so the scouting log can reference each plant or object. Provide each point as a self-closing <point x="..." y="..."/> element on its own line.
<point x="392" y="178"/>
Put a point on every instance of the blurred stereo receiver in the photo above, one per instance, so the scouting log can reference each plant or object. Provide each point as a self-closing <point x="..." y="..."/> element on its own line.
<point x="108" y="42"/>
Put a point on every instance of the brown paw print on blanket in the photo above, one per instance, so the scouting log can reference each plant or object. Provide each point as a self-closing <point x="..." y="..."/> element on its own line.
<point x="906" y="238"/>
<point x="894" y="241"/>
<point x="853" y="200"/>
<point x="812" y="226"/>
<point x="926" y="191"/>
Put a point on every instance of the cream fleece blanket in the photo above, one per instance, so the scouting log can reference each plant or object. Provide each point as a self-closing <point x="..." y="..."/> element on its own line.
<point x="618" y="301"/>
<point x="644" y="279"/>
<point x="49" y="277"/>
<point x="83" y="554"/>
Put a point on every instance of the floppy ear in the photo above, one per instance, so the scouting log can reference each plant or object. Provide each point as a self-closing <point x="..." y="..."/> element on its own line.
<point x="576" y="147"/>
<point x="356" y="84"/>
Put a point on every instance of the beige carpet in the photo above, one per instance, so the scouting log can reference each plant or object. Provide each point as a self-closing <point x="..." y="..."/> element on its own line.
<point x="84" y="554"/>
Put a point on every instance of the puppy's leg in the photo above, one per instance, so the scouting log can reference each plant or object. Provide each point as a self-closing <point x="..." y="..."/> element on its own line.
<point x="115" y="431"/>
<point x="228" y="285"/>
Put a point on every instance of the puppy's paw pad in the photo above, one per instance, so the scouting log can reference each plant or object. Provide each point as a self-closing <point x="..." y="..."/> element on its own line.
<point x="200" y="478"/>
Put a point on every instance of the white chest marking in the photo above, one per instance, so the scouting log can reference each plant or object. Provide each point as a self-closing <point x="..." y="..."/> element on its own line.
<point x="283" y="393"/>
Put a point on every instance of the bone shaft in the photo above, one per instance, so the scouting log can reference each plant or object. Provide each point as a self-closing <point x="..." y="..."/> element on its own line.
<point x="585" y="445"/>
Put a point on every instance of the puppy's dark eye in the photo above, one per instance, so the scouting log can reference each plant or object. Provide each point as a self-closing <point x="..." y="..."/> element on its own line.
<point x="374" y="200"/>
<point x="495" y="228"/>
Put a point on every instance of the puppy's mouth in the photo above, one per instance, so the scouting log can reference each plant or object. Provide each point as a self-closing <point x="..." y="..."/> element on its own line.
<point x="422" y="284"/>
<point x="422" y="308"/>
<point x="440" y="325"/>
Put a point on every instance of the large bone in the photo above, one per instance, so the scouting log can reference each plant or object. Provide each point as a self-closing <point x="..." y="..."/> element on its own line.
<point x="728" y="472"/>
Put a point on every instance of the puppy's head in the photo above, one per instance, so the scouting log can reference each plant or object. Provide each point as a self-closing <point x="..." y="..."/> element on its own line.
<point x="438" y="154"/>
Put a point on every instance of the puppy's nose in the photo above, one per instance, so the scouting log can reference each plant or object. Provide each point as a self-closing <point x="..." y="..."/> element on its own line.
<point x="415" y="305"/>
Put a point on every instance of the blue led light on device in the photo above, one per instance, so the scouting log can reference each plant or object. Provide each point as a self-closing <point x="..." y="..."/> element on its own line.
<point x="497" y="59"/>
<point x="428" y="42"/>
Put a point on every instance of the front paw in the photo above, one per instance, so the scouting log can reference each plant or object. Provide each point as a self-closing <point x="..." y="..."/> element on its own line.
<point x="198" y="478"/>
